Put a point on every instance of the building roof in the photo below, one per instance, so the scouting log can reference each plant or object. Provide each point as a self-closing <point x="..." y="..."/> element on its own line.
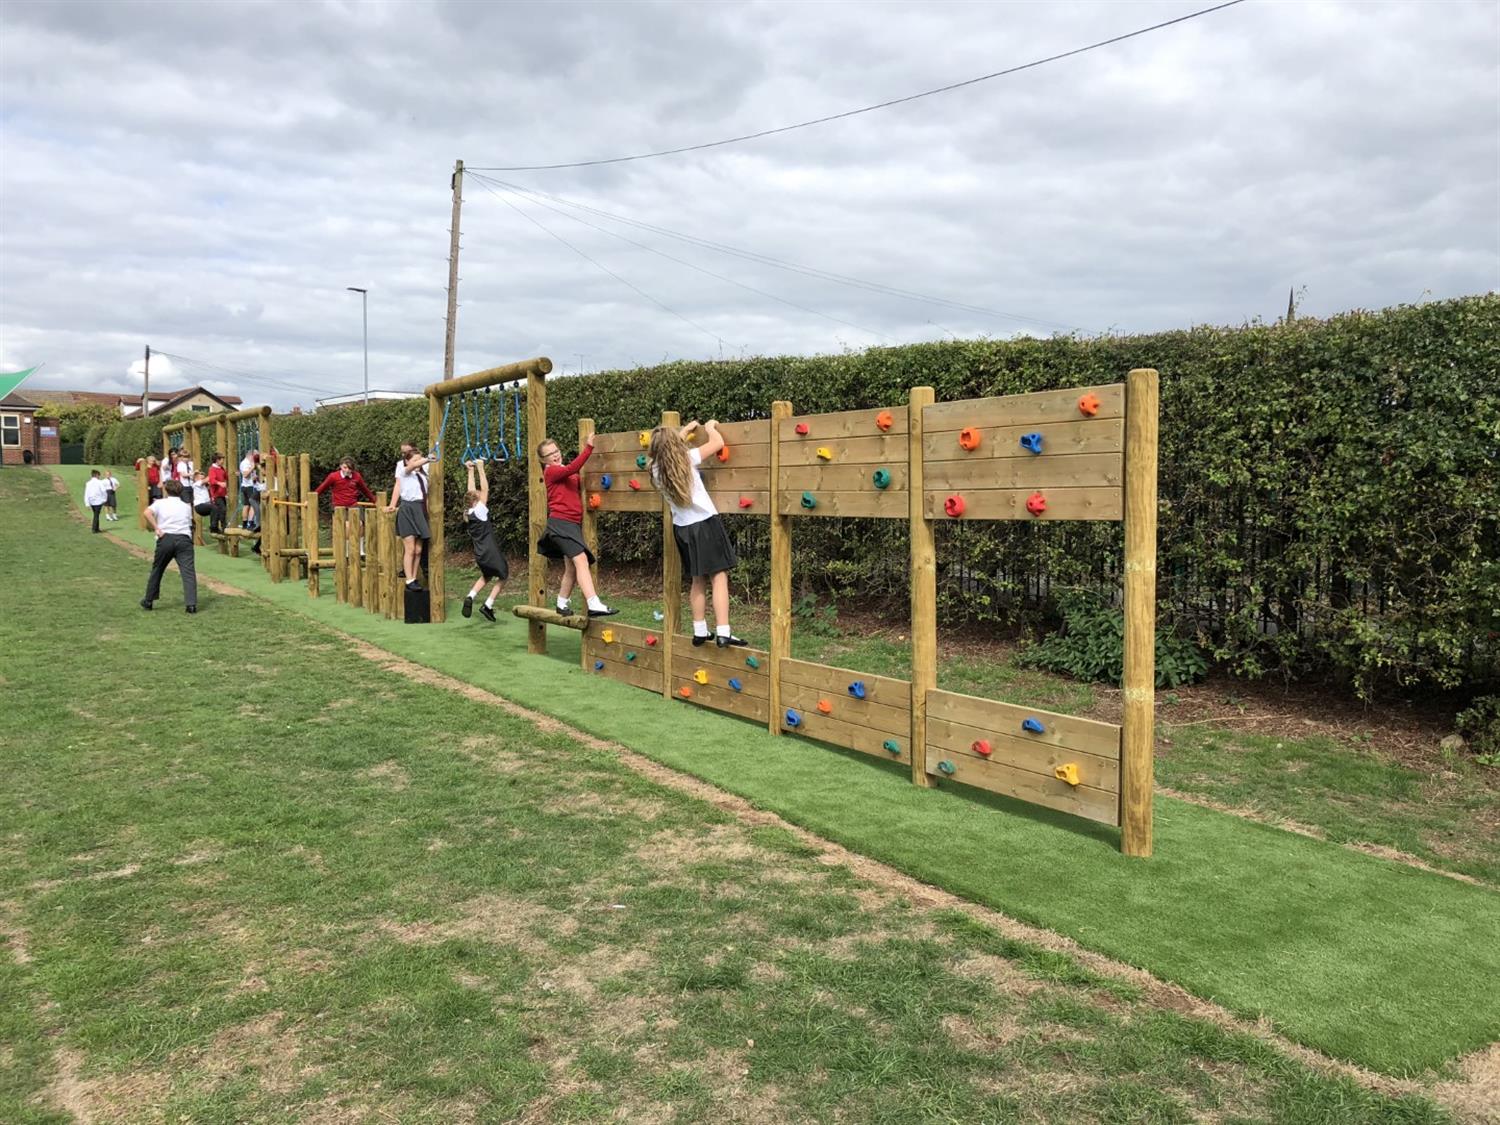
<point x="159" y="399"/>
<point x="13" y="401"/>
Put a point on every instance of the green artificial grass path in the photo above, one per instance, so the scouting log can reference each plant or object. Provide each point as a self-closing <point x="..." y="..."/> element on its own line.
<point x="1367" y="960"/>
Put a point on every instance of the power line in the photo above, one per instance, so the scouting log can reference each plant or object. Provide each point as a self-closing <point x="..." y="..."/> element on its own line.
<point x="865" y="109"/>
<point x="779" y="263"/>
<point x="243" y="376"/>
<point x="601" y="266"/>
<point x="485" y="182"/>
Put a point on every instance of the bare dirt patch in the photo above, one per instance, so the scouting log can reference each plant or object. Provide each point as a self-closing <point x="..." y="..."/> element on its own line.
<point x="591" y="804"/>
<point x="392" y="773"/>
<point x="106" y="1097"/>
<point x="496" y="918"/>
<point x="13" y="933"/>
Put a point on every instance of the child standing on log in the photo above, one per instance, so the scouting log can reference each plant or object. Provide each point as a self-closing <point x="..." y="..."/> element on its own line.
<point x="702" y="541"/>
<point x="409" y="502"/>
<point x="563" y="538"/>
<point x="487" y="554"/>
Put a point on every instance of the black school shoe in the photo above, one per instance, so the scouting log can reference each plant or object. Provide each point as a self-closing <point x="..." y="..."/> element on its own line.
<point x="487" y="613"/>
<point x="192" y="609"/>
<point x="699" y="642"/>
<point x="468" y="610"/>
<point x="145" y="604"/>
<point x="605" y="612"/>
<point x="726" y="642"/>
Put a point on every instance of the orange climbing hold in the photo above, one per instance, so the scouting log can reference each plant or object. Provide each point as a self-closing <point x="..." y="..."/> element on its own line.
<point x="954" y="506"/>
<point x="884" y="420"/>
<point x="724" y="455"/>
<point x="824" y="707"/>
<point x="685" y="691"/>
<point x="1036" y="503"/>
<point x="968" y="438"/>
<point x="1089" y="405"/>
<point x="594" y="501"/>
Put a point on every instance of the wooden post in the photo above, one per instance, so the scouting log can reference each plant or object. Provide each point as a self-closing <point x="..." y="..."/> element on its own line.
<point x="923" y="591"/>
<point x="267" y="513"/>
<point x="310" y="528"/>
<point x="340" y="558"/>
<point x="195" y="454"/>
<point x="223" y="431"/>
<point x="781" y="569"/>
<point x="590" y="528"/>
<point x="142" y="495"/>
<point x="671" y="580"/>
<point x="436" y="547"/>
<point x="1137" y="737"/>
<point x="536" y="507"/>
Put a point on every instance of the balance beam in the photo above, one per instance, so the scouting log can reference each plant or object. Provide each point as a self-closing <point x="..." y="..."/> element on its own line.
<point x="577" y="621"/>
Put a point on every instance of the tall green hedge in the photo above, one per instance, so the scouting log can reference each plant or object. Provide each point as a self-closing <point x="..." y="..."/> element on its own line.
<point x="1329" y="488"/>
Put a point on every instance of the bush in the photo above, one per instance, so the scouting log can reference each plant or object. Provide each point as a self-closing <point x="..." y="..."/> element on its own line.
<point x="1479" y="724"/>
<point x="1091" y="646"/>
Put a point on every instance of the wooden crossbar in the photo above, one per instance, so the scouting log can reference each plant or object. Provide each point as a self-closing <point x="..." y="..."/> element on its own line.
<point x="546" y="616"/>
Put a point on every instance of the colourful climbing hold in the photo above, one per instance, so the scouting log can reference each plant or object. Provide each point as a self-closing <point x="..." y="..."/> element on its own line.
<point x="594" y="501"/>
<point x="968" y="438"/>
<point x="1088" y="404"/>
<point x="883" y="420"/>
<point x="723" y="455"/>
<point x="651" y="640"/>
<point x="882" y="478"/>
<point x="747" y="501"/>
<point x="734" y="684"/>
<point x="700" y="676"/>
<point x="658" y="615"/>
<point x="982" y="747"/>
<point x="857" y="689"/>
<point x="954" y="506"/>
<point x="635" y="485"/>
<point x="1032" y="443"/>
<point x="685" y="691"/>
<point x="1067" y="772"/>
<point x="640" y="461"/>
<point x="793" y="719"/>
<point x="801" y="429"/>
<point x="605" y="481"/>
<point x="644" y="438"/>
<point x="598" y="665"/>
<point x="824" y="453"/>
<point x="630" y="657"/>
<point x="946" y="768"/>
<point x="608" y="636"/>
<point x="751" y="662"/>
<point x="1036" y="503"/>
<point x="891" y="745"/>
<point x="825" y="707"/>
<point x="1033" y="726"/>
<point x="809" y="501"/>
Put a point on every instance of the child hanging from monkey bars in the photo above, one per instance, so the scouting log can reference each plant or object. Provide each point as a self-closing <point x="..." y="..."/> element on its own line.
<point x="563" y="538"/>
<point x="487" y="554"/>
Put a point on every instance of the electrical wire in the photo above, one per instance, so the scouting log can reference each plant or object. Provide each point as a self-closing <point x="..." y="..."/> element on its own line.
<point x="864" y="109"/>
<point x="601" y="266"/>
<point x="779" y="263"/>
<point x="485" y="183"/>
<point x="242" y="376"/>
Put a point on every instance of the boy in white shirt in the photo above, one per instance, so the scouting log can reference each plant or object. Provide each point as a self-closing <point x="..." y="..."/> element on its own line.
<point x="172" y="520"/>
<point x="94" y="496"/>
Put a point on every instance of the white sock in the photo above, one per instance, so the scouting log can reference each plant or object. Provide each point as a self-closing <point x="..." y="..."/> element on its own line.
<point x="700" y="628"/>
<point x="723" y="631"/>
<point x="597" y="604"/>
<point x="564" y="604"/>
<point x="490" y="601"/>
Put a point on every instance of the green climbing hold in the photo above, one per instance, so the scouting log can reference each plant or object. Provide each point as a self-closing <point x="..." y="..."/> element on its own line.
<point x="809" y="500"/>
<point x="629" y="656"/>
<point x="640" y="461"/>
<point x="882" y="478"/>
<point x="892" y="745"/>
<point x="751" y="662"/>
<point x="945" y="768"/>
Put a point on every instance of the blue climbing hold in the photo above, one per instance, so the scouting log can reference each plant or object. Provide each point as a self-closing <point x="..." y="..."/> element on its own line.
<point x="598" y="665"/>
<point x="809" y="501"/>
<point x="658" y="615"/>
<point x="793" y="719"/>
<point x="605" y="481"/>
<point x="882" y="478"/>
<point x="735" y="685"/>
<point x="892" y="745"/>
<point x="1031" y="442"/>
<point x="945" y="768"/>
<point x="1033" y="726"/>
<point x="857" y="689"/>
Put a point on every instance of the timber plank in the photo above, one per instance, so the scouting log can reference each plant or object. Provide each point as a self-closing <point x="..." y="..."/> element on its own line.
<point x="1089" y="736"/>
<point x="887" y="505"/>
<point x="757" y="431"/>
<point x="1092" y="804"/>
<point x="720" y="698"/>
<point x="843" y="424"/>
<point x="1022" y="410"/>
<point x="878" y="689"/>
<point x="878" y="451"/>
<point x="754" y="684"/>
<point x="835" y="477"/>
<point x="1068" y="470"/>
<point x="1010" y="504"/>
<point x="1035" y="757"/>
<point x="851" y="736"/>
<point x="620" y="441"/>
<point x="730" y="661"/>
<point x="1092" y="435"/>
<point x="643" y="678"/>
<point x="891" y="722"/>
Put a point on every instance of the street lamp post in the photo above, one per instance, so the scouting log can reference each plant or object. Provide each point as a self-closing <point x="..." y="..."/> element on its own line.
<point x="364" y="305"/>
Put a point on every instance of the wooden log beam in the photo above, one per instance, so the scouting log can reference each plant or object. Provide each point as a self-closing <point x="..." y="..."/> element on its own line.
<point x="547" y="616"/>
<point x="524" y="369"/>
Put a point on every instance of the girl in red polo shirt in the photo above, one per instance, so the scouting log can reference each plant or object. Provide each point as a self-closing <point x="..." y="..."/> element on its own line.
<point x="218" y="493"/>
<point x="563" y="538"/>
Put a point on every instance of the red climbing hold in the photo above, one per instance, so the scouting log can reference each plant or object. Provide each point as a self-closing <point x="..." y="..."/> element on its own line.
<point x="968" y="438"/>
<point x="883" y="420"/>
<point x="1088" y="404"/>
<point x="1036" y="503"/>
<point x="747" y="501"/>
<point x="801" y="429"/>
<point x="982" y="747"/>
<point x="651" y="640"/>
<point x="954" y="506"/>
<point x="635" y="486"/>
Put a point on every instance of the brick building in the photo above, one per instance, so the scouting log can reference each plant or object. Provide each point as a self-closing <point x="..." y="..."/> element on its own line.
<point x="197" y="399"/>
<point x="26" y="439"/>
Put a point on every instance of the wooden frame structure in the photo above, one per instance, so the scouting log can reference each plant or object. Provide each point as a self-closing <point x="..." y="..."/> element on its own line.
<point x="366" y="560"/>
<point x="225" y="432"/>
<point x="1083" y="454"/>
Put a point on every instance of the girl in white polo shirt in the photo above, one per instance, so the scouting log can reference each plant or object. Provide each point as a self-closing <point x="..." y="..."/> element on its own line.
<point x="702" y="541"/>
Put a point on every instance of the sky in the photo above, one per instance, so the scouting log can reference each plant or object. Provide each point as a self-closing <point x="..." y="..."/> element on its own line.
<point x="207" y="179"/>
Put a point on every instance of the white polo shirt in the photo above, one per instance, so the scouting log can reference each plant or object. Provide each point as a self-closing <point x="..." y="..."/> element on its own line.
<point x="413" y="483"/>
<point x="700" y="504"/>
<point x="94" y="492"/>
<point x="173" y="517"/>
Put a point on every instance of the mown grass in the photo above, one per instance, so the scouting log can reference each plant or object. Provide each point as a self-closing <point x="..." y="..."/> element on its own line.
<point x="251" y="876"/>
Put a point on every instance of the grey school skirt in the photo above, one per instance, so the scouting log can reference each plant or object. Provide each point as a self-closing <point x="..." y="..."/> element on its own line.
<point x="411" y="519"/>
<point x="705" y="547"/>
<point x="563" y="539"/>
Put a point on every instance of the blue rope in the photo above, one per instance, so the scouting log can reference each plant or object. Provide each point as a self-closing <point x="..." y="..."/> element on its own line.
<point x="522" y="451"/>
<point x="500" y="452"/>
<point x="463" y="406"/>
<point x="437" y="450"/>
<point x="482" y="451"/>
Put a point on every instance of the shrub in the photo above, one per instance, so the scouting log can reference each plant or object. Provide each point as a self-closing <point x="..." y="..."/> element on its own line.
<point x="1091" y="646"/>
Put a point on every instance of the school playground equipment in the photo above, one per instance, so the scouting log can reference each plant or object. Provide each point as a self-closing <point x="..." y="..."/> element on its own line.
<point x="1084" y="454"/>
<point x="235" y="434"/>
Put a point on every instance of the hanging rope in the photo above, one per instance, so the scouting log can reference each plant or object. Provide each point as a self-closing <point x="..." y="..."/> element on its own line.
<point x="437" y="449"/>
<point x="482" y="450"/>
<point x="500" y="452"/>
<point x="175" y="439"/>
<point x="522" y="451"/>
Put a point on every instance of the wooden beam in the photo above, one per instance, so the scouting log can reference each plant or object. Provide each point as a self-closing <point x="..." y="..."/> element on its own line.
<point x="528" y="369"/>
<point x="537" y="613"/>
<point x="671" y="581"/>
<point x="590" y="525"/>
<point x="781" y="570"/>
<point x="436" y="547"/>
<point x="923" y="590"/>
<point x="536" y="502"/>
<point x="1139" y="682"/>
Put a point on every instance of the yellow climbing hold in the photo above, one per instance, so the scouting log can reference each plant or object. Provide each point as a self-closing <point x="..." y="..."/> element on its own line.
<point x="645" y="438"/>
<point x="700" y="676"/>
<point x="608" y="636"/>
<point x="1068" y="773"/>
<point x="824" y="453"/>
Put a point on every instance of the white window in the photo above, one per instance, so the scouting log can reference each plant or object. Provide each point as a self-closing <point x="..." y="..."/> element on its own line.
<point x="10" y="429"/>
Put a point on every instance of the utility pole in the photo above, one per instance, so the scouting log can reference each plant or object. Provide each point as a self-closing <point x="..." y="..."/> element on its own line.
<point x="146" y="391"/>
<point x="458" y="198"/>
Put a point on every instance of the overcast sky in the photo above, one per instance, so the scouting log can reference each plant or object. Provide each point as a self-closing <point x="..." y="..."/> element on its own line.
<point x="208" y="178"/>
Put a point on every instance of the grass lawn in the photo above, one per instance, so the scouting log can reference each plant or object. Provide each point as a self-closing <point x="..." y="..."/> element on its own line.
<point x="1315" y="937"/>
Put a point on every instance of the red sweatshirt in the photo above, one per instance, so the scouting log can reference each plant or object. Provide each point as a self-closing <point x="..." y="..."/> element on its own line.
<point x="563" y="500"/>
<point x="218" y="482"/>
<point x="346" y="490"/>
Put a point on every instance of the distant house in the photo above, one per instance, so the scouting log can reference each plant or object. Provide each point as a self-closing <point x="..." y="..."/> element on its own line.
<point x="25" y="438"/>
<point x="196" y="399"/>
<point x="359" y="398"/>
